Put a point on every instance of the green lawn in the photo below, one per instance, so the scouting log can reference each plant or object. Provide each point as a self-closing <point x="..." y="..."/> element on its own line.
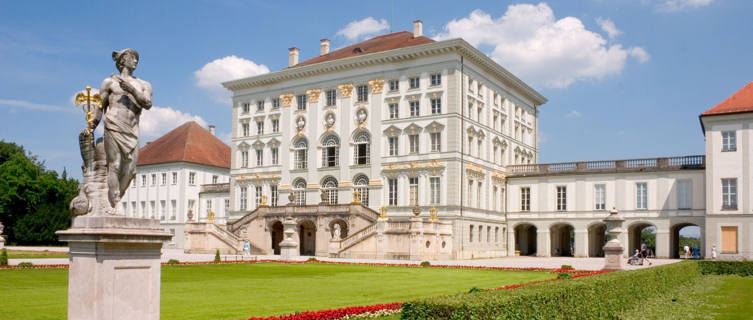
<point x="19" y="254"/>
<point x="240" y="291"/>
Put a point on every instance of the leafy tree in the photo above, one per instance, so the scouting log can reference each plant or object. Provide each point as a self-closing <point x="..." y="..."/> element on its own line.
<point x="648" y="236"/>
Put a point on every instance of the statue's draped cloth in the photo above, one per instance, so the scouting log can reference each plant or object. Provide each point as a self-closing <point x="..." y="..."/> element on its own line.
<point x="123" y="134"/>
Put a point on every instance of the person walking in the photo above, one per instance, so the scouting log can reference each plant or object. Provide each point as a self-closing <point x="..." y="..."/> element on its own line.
<point x="246" y="248"/>
<point x="686" y="249"/>
<point x="644" y="254"/>
<point x="713" y="252"/>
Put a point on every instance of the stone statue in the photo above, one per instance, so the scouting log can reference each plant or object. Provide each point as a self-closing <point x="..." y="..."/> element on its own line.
<point x="1" y="227"/>
<point x="324" y="196"/>
<point x="110" y="164"/>
<point x="336" y="231"/>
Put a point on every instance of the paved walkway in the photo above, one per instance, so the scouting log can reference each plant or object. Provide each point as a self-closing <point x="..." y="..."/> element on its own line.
<point x="509" y="262"/>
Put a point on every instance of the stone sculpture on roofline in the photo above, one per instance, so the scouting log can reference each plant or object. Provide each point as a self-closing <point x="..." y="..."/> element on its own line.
<point x="114" y="260"/>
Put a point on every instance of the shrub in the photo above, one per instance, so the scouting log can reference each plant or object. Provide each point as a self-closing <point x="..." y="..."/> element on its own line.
<point x="217" y="256"/>
<point x="174" y="261"/>
<point x="25" y="265"/>
<point x="474" y="290"/>
<point x="564" y="275"/>
<point x="4" y="257"/>
<point x="740" y="268"/>
<point x="425" y="263"/>
<point x="566" y="267"/>
<point x="596" y="297"/>
<point x="312" y="259"/>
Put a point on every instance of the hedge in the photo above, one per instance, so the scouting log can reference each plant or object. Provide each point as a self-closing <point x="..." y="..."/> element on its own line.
<point x="740" y="268"/>
<point x="596" y="297"/>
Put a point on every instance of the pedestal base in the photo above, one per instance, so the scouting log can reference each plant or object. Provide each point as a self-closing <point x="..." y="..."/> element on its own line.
<point x="114" y="268"/>
<point x="2" y="242"/>
<point x="613" y="255"/>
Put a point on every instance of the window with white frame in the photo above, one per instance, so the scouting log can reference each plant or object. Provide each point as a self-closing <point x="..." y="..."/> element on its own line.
<point x="192" y="178"/>
<point x="143" y="180"/>
<point x="260" y="105"/>
<point x="243" y="198"/>
<point x="683" y="194"/>
<point x="154" y="179"/>
<point x="436" y="79"/>
<point x="275" y="103"/>
<point x="329" y="186"/>
<point x="729" y="193"/>
<point x="259" y="157"/>
<point x="600" y="197"/>
<point x="134" y="209"/>
<point x="361" y="183"/>
<point x="257" y="196"/>
<point x="175" y="178"/>
<point x="392" y="142"/>
<point x="413" y="189"/>
<point x="215" y="179"/>
<point x="362" y="93"/>
<point x="414" y="83"/>
<point x="436" y="106"/>
<point x="246" y="107"/>
<point x="331" y="96"/>
<point x="394" y="85"/>
<point x="478" y="193"/>
<point x="153" y="209"/>
<point x="275" y="155"/>
<point x="164" y="178"/>
<point x="392" y="196"/>
<point x="525" y="199"/>
<point x="413" y="142"/>
<point x="641" y="196"/>
<point x="274" y="195"/>
<point x="361" y="148"/>
<point x="227" y="205"/>
<point x="275" y="125"/>
<point x="729" y="141"/>
<point x="244" y="159"/>
<point x="300" y="152"/>
<point x="414" y="108"/>
<point x="173" y="209"/>
<point x="436" y="141"/>
<point x="301" y="100"/>
<point x="244" y="129"/>
<point x="299" y="192"/>
<point x="209" y="207"/>
<point x="470" y="193"/>
<point x="260" y="127"/>
<point x="330" y="151"/>
<point x="393" y="109"/>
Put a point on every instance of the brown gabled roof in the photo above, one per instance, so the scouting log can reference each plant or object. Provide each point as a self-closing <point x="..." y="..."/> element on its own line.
<point x="741" y="101"/>
<point x="385" y="42"/>
<point x="187" y="143"/>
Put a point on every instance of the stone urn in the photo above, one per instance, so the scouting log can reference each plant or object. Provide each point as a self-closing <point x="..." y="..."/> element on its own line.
<point x="288" y="245"/>
<point x="613" y="250"/>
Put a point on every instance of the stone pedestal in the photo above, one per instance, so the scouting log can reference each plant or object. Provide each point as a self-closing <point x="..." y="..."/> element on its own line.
<point x="381" y="238"/>
<point x="613" y="250"/>
<point x="114" y="268"/>
<point x="288" y="245"/>
<point x="416" y="238"/>
<point x="2" y="242"/>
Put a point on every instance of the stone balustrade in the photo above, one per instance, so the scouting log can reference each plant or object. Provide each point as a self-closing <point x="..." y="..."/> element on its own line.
<point x="603" y="166"/>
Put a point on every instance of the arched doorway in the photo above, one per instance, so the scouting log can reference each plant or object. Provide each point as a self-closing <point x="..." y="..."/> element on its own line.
<point x="597" y="239"/>
<point x="277" y="236"/>
<point x="642" y="232"/>
<point x="685" y="234"/>
<point x="307" y="238"/>
<point x="562" y="239"/>
<point x="525" y="239"/>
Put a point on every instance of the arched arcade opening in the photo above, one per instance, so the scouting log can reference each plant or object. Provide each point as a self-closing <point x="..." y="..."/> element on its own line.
<point x="277" y="235"/>
<point x="525" y="239"/>
<point x="307" y="238"/>
<point x="562" y="239"/>
<point x="597" y="238"/>
<point x="685" y="234"/>
<point x="639" y="233"/>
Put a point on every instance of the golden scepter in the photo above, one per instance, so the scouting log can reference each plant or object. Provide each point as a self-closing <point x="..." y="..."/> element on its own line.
<point x="87" y="100"/>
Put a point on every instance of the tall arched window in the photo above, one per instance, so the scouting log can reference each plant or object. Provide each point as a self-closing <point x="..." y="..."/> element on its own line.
<point x="362" y="148"/>
<point x="361" y="184"/>
<point x="300" y="153"/>
<point x="329" y="185"/>
<point x="330" y="151"/>
<point x="299" y="191"/>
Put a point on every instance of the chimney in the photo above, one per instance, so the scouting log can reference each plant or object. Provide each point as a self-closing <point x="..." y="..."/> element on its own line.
<point x="418" y="27"/>
<point x="211" y="129"/>
<point x="293" y="60"/>
<point x="325" y="47"/>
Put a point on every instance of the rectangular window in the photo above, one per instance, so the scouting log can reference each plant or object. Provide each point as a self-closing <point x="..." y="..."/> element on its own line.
<point x="470" y="192"/>
<point x="436" y="106"/>
<point x="392" y="192"/>
<point x="729" y="194"/>
<point x="260" y="105"/>
<point x="173" y="209"/>
<point x="209" y="206"/>
<point x="175" y="178"/>
<point x="164" y="178"/>
<point x="470" y="234"/>
<point x="413" y="140"/>
<point x="243" y="198"/>
<point x="413" y="184"/>
<point x="143" y="209"/>
<point x="641" y="196"/>
<point x="275" y="156"/>
<point x="436" y="79"/>
<point x="257" y="196"/>
<point x="525" y="199"/>
<point x="393" y="111"/>
<point x="227" y="205"/>
<point x="478" y="194"/>
<point x="244" y="159"/>
<point x="215" y="179"/>
<point x="561" y="198"/>
<point x="152" y="209"/>
<point x="275" y="103"/>
<point x="436" y="141"/>
<point x="394" y="85"/>
<point x="435" y="189"/>
<point x="729" y="239"/>
<point x="246" y="107"/>
<point x="300" y="159"/>
<point x="600" y="195"/>
<point x="393" y="145"/>
<point x="414" y="83"/>
<point x="260" y="127"/>
<point x="143" y="180"/>
<point x="275" y="195"/>
<point x="330" y="156"/>
<point x="331" y="97"/>
<point x="301" y="100"/>
<point x="361" y="155"/>
<point x="192" y="178"/>
<point x="244" y="128"/>
<point x="414" y="108"/>
<point x="134" y="209"/>
<point x="259" y="158"/>
<point x="362" y="93"/>
<point x="729" y="141"/>
<point x="154" y="179"/>
<point x="683" y="195"/>
<point x="275" y="125"/>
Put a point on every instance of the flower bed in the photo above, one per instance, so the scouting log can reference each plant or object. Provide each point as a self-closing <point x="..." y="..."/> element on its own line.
<point x="333" y="314"/>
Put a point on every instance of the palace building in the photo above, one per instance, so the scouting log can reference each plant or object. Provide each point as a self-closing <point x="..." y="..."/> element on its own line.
<point x="402" y="147"/>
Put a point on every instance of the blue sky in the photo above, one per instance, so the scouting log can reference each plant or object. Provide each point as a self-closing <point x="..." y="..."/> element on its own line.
<point x="624" y="79"/>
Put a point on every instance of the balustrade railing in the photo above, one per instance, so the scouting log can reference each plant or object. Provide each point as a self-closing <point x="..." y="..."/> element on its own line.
<point x="684" y="162"/>
<point x="352" y="239"/>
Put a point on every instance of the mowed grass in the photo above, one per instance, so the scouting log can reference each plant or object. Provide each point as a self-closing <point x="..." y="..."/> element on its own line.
<point x="21" y="254"/>
<point x="239" y="291"/>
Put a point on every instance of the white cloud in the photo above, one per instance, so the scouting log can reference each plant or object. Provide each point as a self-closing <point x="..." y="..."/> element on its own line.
<point x="359" y="28"/>
<point x="573" y="114"/>
<point x="608" y="27"/>
<point x="36" y="106"/>
<point x="157" y="121"/>
<point x="679" y="5"/>
<point x="531" y="43"/>
<point x="639" y="53"/>
<point x="212" y="74"/>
